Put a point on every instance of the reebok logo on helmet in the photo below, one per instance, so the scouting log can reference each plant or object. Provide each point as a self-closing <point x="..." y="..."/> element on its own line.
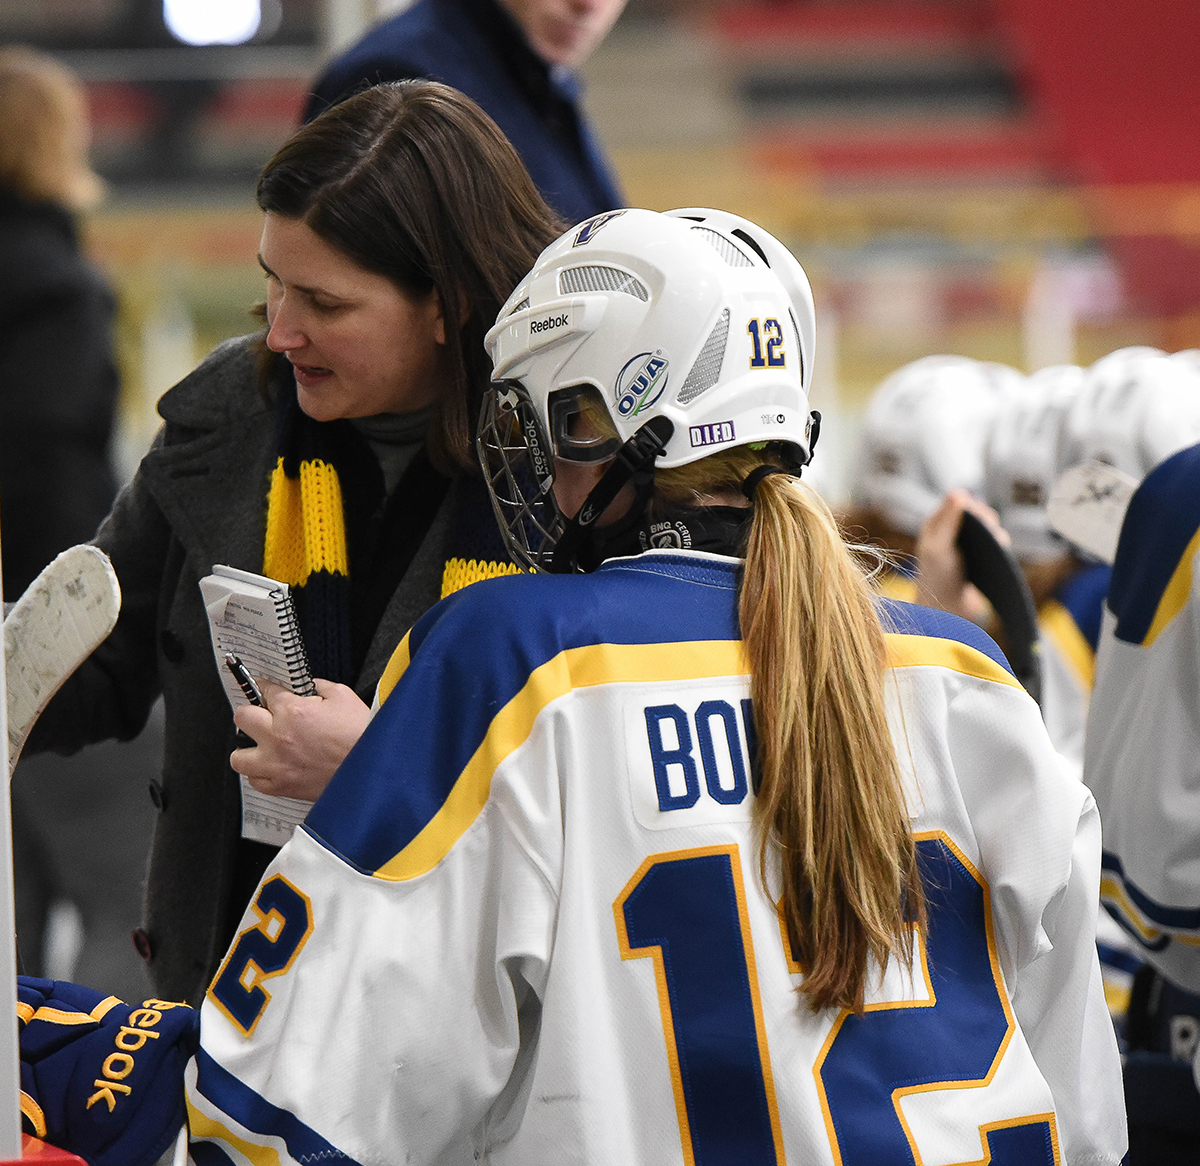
<point x="560" y="321"/>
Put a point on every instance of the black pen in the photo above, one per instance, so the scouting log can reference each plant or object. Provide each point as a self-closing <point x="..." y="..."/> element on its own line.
<point x="244" y="680"/>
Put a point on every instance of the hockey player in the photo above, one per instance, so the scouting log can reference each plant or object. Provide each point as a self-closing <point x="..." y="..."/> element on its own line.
<point x="1142" y="763"/>
<point x="1023" y="460"/>
<point x="680" y="849"/>
<point x="923" y="436"/>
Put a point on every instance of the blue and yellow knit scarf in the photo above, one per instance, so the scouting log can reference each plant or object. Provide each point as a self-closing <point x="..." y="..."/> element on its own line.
<point x="324" y="472"/>
<point x="306" y="545"/>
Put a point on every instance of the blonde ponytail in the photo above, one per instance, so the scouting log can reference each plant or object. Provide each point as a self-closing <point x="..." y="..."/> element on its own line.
<point x="830" y="801"/>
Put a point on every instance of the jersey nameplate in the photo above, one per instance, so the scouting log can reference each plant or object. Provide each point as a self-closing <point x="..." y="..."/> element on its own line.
<point x="689" y="755"/>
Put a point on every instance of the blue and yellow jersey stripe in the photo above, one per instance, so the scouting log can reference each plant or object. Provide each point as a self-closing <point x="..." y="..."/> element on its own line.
<point x="475" y="673"/>
<point x="1154" y="925"/>
<point x="217" y="1102"/>
<point x="1070" y="620"/>
<point x="1152" y="574"/>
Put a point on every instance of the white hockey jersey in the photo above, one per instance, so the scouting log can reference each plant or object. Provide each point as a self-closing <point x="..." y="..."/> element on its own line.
<point x="1143" y="739"/>
<point x="1069" y="623"/>
<point x="524" y="923"/>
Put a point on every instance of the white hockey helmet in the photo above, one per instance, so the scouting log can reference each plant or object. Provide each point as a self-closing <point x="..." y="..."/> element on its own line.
<point x="1025" y="456"/>
<point x="924" y="433"/>
<point x="1137" y="406"/>
<point x="678" y="326"/>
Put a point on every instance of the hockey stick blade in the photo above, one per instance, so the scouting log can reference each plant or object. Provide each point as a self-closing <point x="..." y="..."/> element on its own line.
<point x="994" y="570"/>
<point x="64" y="614"/>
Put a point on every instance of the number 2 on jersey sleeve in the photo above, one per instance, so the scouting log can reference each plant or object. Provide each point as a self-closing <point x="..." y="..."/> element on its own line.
<point x="687" y="911"/>
<point x="264" y="950"/>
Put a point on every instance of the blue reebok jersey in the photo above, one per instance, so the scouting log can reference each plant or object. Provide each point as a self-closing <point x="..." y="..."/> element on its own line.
<point x="525" y="923"/>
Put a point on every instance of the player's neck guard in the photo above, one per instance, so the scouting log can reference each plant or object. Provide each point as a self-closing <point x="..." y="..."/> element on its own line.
<point x="583" y="543"/>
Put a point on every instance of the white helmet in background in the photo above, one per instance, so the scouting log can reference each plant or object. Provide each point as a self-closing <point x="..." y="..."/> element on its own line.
<point x="1187" y="356"/>
<point x="1136" y="408"/>
<point x="1025" y="455"/>
<point x="924" y="433"/>
<point x="677" y="328"/>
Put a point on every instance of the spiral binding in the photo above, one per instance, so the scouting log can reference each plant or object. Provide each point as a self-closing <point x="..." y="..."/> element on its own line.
<point x="294" y="651"/>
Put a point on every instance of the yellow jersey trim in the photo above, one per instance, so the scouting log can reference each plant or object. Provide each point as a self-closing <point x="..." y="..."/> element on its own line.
<point x="575" y="668"/>
<point x="916" y="651"/>
<point x="205" y="1128"/>
<point x="894" y="585"/>
<point x="1059" y="626"/>
<point x="1176" y="593"/>
<point x="397" y="665"/>
<point x="596" y="664"/>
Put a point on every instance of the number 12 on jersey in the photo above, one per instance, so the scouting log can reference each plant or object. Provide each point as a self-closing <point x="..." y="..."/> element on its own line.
<point x="686" y="910"/>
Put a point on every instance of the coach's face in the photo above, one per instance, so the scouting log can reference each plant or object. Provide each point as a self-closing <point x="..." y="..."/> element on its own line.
<point x="358" y="344"/>
<point x="565" y="32"/>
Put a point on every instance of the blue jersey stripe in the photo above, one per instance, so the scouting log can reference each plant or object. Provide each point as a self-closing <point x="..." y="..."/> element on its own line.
<point x="913" y="620"/>
<point x="208" y="1154"/>
<point x="1118" y="958"/>
<point x="254" y="1112"/>
<point x="1172" y="918"/>
<point x="1162" y="518"/>
<point x="1083" y="596"/>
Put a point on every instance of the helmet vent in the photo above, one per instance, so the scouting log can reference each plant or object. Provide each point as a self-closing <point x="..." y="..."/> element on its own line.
<point x="520" y="307"/>
<point x="730" y="252"/>
<point x="601" y="279"/>
<point x="707" y="369"/>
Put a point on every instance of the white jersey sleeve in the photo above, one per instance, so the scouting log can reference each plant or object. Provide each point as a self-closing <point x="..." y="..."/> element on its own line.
<point x="525" y="923"/>
<point x="1142" y="759"/>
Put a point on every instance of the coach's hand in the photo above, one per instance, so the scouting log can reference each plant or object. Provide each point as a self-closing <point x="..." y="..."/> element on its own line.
<point x="301" y="739"/>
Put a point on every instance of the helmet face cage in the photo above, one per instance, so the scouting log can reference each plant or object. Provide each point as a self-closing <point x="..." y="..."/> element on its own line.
<point x="518" y="466"/>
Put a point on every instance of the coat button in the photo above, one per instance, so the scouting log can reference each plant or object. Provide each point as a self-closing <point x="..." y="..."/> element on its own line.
<point x="172" y="646"/>
<point x="142" y="944"/>
<point x="158" y="795"/>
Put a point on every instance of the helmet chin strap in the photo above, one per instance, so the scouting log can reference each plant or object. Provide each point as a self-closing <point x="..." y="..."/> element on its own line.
<point x="634" y="463"/>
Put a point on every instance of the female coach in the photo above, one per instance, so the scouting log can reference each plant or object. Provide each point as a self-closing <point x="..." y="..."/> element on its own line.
<point x="336" y="457"/>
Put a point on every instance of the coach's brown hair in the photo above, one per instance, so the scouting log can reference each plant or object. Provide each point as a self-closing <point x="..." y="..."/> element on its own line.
<point x="413" y="181"/>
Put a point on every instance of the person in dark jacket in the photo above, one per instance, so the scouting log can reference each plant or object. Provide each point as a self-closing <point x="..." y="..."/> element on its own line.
<point x="81" y="827"/>
<point x="516" y="59"/>
<point x="332" y="452"/>
<point x="58" y="381"/>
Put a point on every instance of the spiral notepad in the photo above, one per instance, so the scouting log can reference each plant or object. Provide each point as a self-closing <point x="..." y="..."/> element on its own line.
<point x="254" y="617"/>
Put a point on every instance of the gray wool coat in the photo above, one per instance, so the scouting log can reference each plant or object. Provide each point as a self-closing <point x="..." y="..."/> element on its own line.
<point x="198" y="498"/>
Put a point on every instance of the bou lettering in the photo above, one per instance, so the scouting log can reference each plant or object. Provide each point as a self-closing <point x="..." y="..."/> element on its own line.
<point x="724" y="746"/>
<point x="134" y="1035"/>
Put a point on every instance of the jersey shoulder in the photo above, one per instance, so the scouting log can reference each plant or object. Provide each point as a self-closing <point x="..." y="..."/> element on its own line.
<point x="1160" y="536"/>
<point x="925" y="636"/>
<point x="482" y="665"/>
